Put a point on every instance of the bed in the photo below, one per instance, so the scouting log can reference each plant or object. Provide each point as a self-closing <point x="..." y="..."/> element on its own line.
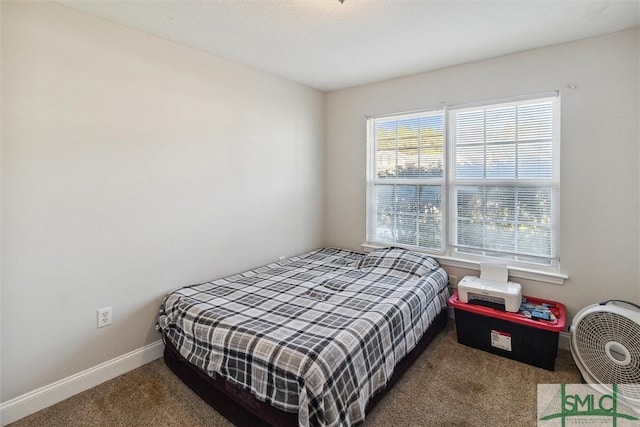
<point x="312" y="340"/>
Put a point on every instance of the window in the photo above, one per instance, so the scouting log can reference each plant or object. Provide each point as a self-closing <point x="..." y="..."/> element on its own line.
<point x="406" y="180"/>
<point x="469" y="181"/>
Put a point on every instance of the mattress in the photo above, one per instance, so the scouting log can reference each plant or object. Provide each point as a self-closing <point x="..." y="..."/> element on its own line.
<point x="317" y="334"/>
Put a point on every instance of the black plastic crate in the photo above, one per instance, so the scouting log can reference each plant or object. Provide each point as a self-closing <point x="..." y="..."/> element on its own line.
<point x="508" y="334"/>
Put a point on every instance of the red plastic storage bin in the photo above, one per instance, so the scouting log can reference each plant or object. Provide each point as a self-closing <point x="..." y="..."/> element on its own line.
<point x="512" y="335"/>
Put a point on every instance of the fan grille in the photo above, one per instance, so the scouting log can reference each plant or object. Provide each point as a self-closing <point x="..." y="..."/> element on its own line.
<point x="608" y="345"/>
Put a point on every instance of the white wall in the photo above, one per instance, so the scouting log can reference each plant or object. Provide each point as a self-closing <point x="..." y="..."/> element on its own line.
<point x="132" y="165"/>
<point x="600" y="153"/>
<point x="1" y="138"/>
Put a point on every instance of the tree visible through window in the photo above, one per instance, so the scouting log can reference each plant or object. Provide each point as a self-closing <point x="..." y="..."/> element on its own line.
<point x="501" y="180"/>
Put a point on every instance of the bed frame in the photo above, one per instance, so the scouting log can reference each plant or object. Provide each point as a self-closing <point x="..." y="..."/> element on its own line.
<point x="244" y="410"/>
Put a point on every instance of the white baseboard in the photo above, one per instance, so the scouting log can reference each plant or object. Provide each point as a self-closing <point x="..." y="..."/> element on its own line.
<point x="563" y="341"/>
<point x="33" y="401"/>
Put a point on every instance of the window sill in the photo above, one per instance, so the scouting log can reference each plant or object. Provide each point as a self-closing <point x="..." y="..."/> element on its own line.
<point x="514" y="272"/>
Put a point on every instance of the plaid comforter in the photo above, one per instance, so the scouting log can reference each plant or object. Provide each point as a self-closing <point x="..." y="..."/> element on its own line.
<point x="317" y="334"/>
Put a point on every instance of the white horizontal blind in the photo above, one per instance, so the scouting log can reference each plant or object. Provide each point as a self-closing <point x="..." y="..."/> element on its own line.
<point x="405" y="180"/>
<point x="504" y="180"/>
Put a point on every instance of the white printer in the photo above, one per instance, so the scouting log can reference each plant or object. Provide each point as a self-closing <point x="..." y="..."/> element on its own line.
<point x="472" y="289"/>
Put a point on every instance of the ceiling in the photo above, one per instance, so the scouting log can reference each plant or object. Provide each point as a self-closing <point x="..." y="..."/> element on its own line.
<point x="327" y="45"/>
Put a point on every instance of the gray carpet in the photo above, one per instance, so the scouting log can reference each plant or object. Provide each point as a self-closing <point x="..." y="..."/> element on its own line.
<point x="449" y="385"/>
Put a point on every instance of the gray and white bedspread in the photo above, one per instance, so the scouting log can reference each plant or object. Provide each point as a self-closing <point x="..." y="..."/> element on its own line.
<point x="317" y="334"/>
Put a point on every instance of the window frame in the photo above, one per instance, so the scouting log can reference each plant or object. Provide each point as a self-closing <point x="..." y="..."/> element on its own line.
<point x="448" y="252"/>
<point x="372" y="179"/>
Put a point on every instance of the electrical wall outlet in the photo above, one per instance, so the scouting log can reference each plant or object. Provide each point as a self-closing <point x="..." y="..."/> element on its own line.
<point x="453" y="281"/>
<point x="281" y="258"/>
<point x="104" y="317"/>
